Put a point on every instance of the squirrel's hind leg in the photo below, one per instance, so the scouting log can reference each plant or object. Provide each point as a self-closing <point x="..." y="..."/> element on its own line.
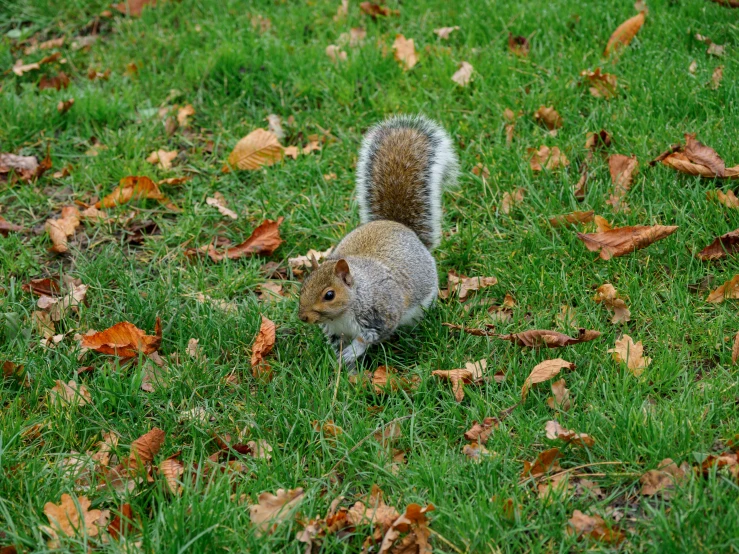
<point x="358" y="347"/>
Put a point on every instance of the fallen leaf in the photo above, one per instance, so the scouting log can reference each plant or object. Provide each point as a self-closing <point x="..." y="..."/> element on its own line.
<point x="46" y="45"/>
<point x="546" y="158"/>
<point x="475" y="452"/>
<point x="622" y="170"/>
<point x="721" y="246"/>
<point x="19" y="68"/>
<point x="43" y="287"/>
<point x="480" y="432"/>
<point x="693" y="67"/>
<point x="665" y="477"/>
<point x="69" y="394"/>
<point x="625" y="33"/>
<point x="556" y="431"/>
<point x="630" y="353"/>
<point x="481" y="171"/>
<point x="25" y="167"/>
<point x="122" y="524"/>
<point x="602" y="85"/>
<point x="716" y="77"/>
<point x="728" y="291"/>
<point x="163" y="158"/>
<point x="263" y="241"/>
<point x="124" y="340"/>
<point x="375" y="10"/>
<point x="598" y="141"/>
<point x="133" y="7"/>
<point x="561" y="398"/>
<point x="462" y="285"/>
<point x="510" y="200"/>
<point x="695" y="158"/>
<point x="261" y="23"/>
<point x="405" y="52"/>
<point x="218" y="201"/>
<point x="258" y="148"/>
<point x="172" y="470"/>
<point x="312" y="146"/>
<point x="174" y="181"/>
<point x="58" y="82"/>
<point x="132" y="188"/>
<point x="64" y="105"/>
<point x="518" y="45"/>
<point x="602" y="224"/>
<point x="735" y="349"/>
<point x="336" y="54"/>
<point x="463" y="75"/>
<point x="593" y="527"/>
<point x="386" y="378"/>
<point x="572" y="218"/>
<point x="262" y="345"/>
<point x="608" y="296"/>
<point x="489" y="331"/>
<point x="549" y="117"/>
<point x="43" y="324"/>
<point x="728" y="199"/>
<point x="60" y="229"/>
<point x="301" y="263"/>
<point x="543" y="372"/>
<point x="272" y="510"/>
<point x="145" y="448"/>
<point x="624" y="240"/>
<point x="328" y="428"/>
<point x="444" y="32"/>
<point x="414" y="522"/>
<point x="7" y="227"/>
<point x="95" y="75"/>
<point x="545" y="462"/>
<point x="183" y="115"/>
<point x="472" y="373"/>
<point x="58" y="307"/>
<point x="72" y="517"/>
<point x="538" y="338"/>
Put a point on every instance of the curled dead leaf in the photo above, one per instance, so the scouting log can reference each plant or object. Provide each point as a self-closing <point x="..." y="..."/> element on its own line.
<point x="624" y="240"/>
<point x="572" y="218"/>
<point x="546" y="158"/>
<point x="273" y="509"/>
<point x="163" y="158"/>
<point x="263" y="241"/>
<point x="549" y="117"/>
<point x="60" y="229"/>
<point x="630" y="353"/>
<point x="728" y="291"/>
<point x="480" y="432"/>
<point x="124" y="340"/>
<point x="462" y="285"/>
<point x="556" y="431"/>
<point x="472" y="373"/>
<point x="444" y="32"/>
<point x="132" y="188"/>
<point x="463" y="75"/>
<point x="622" y="169"/>
<point x="257" y="149"/>
<point x="561" y="396"/>
<point x="720" y="247"/>
<point x="72" y="517"/>
<point x="602" y="85"/>
<point x="667" y="475"/>
<point x="608" y="296"/>
<point x="263" y="344"/>
<point x="218" y="201"/>
<point x="538" y="338"/>
<point x="69" y="394"/>
<point x="546" y="461"/>
<point x="386" y="378"/>
<point x="543" y="372"/>
<point x="145" y="448"/>
<point x="518" y="45"/>
<point x="625" y="33"/>
<point x="593" y="527"/>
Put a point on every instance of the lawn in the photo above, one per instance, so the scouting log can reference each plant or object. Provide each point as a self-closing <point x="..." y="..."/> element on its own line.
<point x="236" y="63"/>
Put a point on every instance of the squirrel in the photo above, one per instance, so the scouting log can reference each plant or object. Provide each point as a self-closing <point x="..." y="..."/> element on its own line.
<point x="382" y="275"/>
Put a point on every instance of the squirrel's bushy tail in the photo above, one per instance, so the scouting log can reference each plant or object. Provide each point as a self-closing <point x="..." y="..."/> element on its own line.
<point x="404" y="164"/>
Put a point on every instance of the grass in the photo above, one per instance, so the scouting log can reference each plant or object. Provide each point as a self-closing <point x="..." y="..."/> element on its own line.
<point x="208" y="54"/>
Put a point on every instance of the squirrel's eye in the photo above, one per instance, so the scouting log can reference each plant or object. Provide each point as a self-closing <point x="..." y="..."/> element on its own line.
<point x="329" y="295"/>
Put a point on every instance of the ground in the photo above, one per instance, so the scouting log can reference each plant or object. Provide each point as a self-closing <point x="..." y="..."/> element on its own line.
<point x="236" y="70"/>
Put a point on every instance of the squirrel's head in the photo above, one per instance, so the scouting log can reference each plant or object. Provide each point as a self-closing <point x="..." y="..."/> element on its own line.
<point x="326" y="292"/>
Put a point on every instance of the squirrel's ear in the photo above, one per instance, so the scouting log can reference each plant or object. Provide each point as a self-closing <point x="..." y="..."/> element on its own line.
<point x="341" y="270"/>
<point x="313" y="262"/>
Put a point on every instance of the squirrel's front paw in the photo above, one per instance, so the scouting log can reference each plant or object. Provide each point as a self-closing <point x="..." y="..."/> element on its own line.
<point x="348" y="357"/>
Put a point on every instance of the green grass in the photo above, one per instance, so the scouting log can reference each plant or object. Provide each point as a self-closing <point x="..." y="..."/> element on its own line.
<point x="206" y="53"/>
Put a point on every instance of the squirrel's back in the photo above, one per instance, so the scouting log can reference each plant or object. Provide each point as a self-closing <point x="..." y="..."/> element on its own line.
<point x="404" y="164"/>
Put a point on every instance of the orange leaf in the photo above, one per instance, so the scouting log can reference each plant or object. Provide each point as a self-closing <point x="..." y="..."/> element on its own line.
<point x="720" y="247"/>
<point x="133" y="7"/>
<point x="263" y="241"/>
<point x="572" y="218"/>
<point x="405" y="52"/>
<point x="263" y="343"/>
<point x="472" y="373"/>
<point x="61" y="228"/>
<point x="258" y="148"/>
<point x="545" y="462"/>
<point x="543" y="372"/>
<point x="546" y="158"/>
<point x="144" y="448"/>
<point x="125" y="340"/>
<point x="549" y="117"/>
<point x="594" y="527"/>
<point x="624" y="240"/>
<point x="480" y="432"/>
<point x="625" y="33"/>
<point x="729" y="290"/>
<point x="556" y="431"/>
<point x="537" y="338"/>
<point x="122" y="524"/>
<point x="131" y="188"/>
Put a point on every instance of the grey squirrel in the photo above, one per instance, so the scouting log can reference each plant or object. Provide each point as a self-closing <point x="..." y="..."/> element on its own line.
<point x="382" y="275"/>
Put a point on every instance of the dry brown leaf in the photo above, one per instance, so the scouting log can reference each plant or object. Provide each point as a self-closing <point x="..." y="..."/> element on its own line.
<point x="261" y="23"/>
<point x="328" y="428"/>
<point x="163" y="158"/>
<point x="337" y="55"/>
<point x="481" y="171"/>
<point x="122" y="524"/>
<point x="72" y="517"/>
<point x="480" y="432"/>
<point x="549" y="117"/>
<point x="301" y="263"/>
<point x="43" y="287"/>
<point x="124" y="340"/>
<point x="556" y="431"/>
<point x="475" y="452"/>
<point x="602" y="224"/>
<point x="728" y="199"/>
<point x="43" y="324"/>
<point x="720" y="247"/>
<point x="183" y="115"/>
<point x="375" y="10"/>
<point x="543" y="372"/>
<point x="174" y="181"/>
<point x="263" y="344"/>
<point x="132" y="188"/>
<point x="695" y="158"/>
<point x="545" y="462"/>
<point x="622" y="170"/>
<point x="538" y="338"/>
<point x="145" y="448"/>
<point x="625" y="33"/>
<point x="665" y="477"/>
<point x="624" y="240"/>
<point x="57" y="308"/>
<point x="716" y="77"/>
<point x="464" y="285"/>
<point x="69" y="394"/>
<point x="561" y="398"/>
<point x="218" y="201"/>
<point x="60" y="229"/>
<point x="405" y="52"/>
<point x="58" y="82"/>
<point x="735" y="349"/>
<point x="572" y="218"/>
<point x="258" y="148"/>
<point x="386" y="378"/>
<point x="414" y="522"/>
<point x="630" y="353"/>
<point x="518" y="45"/>
<point x="46" y="45"/>
<point x="263" y="241"/>
<point x="593" y="527"/>
<point x="598" y="141"/>
<point x="511" y="199"/>
<point x="172" y="469"/>
<point x="472" y="373"/>
<point x="272" y="510"/>
<point x="546" y="158"/>
<point x="608" y="296"/>
<point x="25" y="167"/>
<point x="64" y="105"/>
<point x="133" y="7"/>
<point x="463" y="75"/>
<point x="489" y="330"/>
<point x="602" y="85"/>
<point x="728" y="291"/>
<point x="7" y="227"/>
<point x="444" y="32"/>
